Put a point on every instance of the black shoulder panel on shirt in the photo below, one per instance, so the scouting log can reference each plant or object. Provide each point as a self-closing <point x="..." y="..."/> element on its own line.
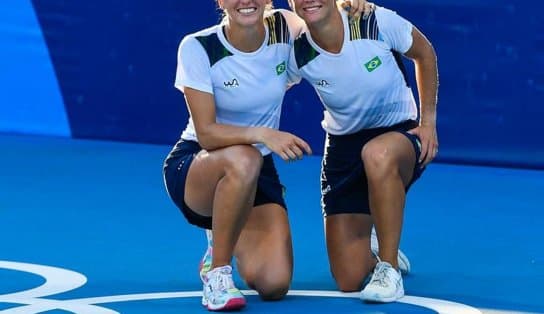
<point x="214" y="48"/>
<point x="304" y="52"/>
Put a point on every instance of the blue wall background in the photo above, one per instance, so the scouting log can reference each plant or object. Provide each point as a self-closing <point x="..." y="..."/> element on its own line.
<point x="30" y="98"/>
<point x="115" y="63"/>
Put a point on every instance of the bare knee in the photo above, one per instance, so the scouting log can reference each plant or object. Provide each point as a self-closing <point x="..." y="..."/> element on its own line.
<point x="379" y="161"/>
<point x="347" y="283"/>
<point x="272" y="289"/>
<point x="243" y="162"/>
<point x="271" y="286"/>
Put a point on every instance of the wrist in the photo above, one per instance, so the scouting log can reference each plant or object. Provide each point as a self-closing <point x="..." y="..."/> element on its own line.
<point x="257" y="134"/>
<point x="428" y="122"/>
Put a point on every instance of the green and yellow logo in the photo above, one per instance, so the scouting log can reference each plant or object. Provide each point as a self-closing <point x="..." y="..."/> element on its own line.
<point x="280" y="68"/>
<point x="373" y="64"/>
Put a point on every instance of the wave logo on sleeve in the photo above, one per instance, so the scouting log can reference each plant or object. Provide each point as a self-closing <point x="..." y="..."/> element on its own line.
<point x="373" y="64"/>
<point x="280" y="68"/>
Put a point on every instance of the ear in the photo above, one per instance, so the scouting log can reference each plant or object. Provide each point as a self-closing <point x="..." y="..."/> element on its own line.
<point x="220" y="4"/>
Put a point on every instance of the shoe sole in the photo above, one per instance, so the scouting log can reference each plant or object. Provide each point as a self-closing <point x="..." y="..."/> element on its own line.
<point x="231" y="305"/>
<point x="378" y="299"/>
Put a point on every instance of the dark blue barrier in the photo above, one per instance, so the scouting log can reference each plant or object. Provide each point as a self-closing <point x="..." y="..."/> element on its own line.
<point x="491" y="59"/>
<point x="115" y="61"/>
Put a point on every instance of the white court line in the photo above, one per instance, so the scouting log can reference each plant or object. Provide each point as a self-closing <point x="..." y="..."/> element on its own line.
<point x="59" y="280"/>
<point x="440" y="306"/>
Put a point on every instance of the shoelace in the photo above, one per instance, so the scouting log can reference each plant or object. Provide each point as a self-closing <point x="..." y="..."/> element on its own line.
<point x="222" y="281"/>
<point x="380" y="275"/>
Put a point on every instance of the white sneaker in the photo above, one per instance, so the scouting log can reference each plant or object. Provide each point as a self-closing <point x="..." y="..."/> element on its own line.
<point x="219" y="293"/>
<point x="402" y="259"/>
<point x="384" y="286"/>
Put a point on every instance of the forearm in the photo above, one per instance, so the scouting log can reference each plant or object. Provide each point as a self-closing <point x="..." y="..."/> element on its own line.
<point x="427" y="86"/>
<point x="216" y="135"/>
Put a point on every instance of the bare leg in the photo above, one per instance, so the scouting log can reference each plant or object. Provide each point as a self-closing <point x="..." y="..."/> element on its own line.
<point x="264" y="251"/>
<point x="348" y="246"/>
<point x="389" y="161"/>
<point x="222" y="183"/>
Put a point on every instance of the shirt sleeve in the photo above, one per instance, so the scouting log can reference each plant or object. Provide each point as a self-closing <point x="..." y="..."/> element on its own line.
<point x="294" y="23"/>
<point x="193" y="68"/>
<point x="293" y="73"/>
<point x="395" y="31"/>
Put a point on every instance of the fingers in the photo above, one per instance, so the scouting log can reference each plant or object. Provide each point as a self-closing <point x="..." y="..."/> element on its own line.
<point x="354" y="8"/>
<point x="303" y="145"/>
<point x="369" y="7"/>
<point x="358" y="7"/>
<point x="346" y="5"/>
<point x="294" y="149"/>
<point x="284" y="156"/>
<point x="429" y="144"/>
<point x="429" y="151"/>
<point x="291" y="152"/>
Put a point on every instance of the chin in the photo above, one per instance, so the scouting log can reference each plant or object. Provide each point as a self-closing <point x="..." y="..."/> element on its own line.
<point x="248" y="21"/>
<point x="310" y="20"/>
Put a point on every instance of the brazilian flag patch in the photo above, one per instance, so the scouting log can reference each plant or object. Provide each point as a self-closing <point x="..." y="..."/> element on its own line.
<point x="373" y="64"/>
<point x="280" y="68"/>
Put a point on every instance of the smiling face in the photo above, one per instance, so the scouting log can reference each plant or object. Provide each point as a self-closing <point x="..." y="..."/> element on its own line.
<point x="244" y="13"/>
<point x="313" y="11"/>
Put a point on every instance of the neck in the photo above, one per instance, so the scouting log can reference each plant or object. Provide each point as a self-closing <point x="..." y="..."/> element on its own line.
<point x="246" y="39"/>
<point x="329" y="33"/>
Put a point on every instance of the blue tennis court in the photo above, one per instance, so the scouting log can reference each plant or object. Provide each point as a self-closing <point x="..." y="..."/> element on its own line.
<point x="88" y="228"/>
<point x="88" y="112"/>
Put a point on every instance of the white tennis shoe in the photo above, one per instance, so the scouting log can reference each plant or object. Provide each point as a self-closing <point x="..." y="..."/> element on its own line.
<point x="402" y="260"/>
<point x="384" y="286"/>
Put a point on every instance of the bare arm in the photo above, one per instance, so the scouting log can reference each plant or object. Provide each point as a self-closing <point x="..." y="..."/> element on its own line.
<point x="212" y="135"/>
<point x="424" y="57"/>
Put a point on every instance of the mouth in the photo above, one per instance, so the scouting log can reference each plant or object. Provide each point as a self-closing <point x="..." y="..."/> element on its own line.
<point x="312" y="9"/>
<point x="247" y="11"/>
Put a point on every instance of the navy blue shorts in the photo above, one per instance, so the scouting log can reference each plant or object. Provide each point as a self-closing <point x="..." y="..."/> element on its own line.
<point x="344" y="188"/>
<point x="175" y="169"/>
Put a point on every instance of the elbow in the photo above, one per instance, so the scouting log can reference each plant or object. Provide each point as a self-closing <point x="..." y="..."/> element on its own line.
<point x="206" y="142"/>
<point x="206" y="139"/>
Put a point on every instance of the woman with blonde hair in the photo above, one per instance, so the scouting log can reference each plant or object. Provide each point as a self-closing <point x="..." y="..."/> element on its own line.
<point x="376" y="147"/>
<point x="221" y="173"/>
